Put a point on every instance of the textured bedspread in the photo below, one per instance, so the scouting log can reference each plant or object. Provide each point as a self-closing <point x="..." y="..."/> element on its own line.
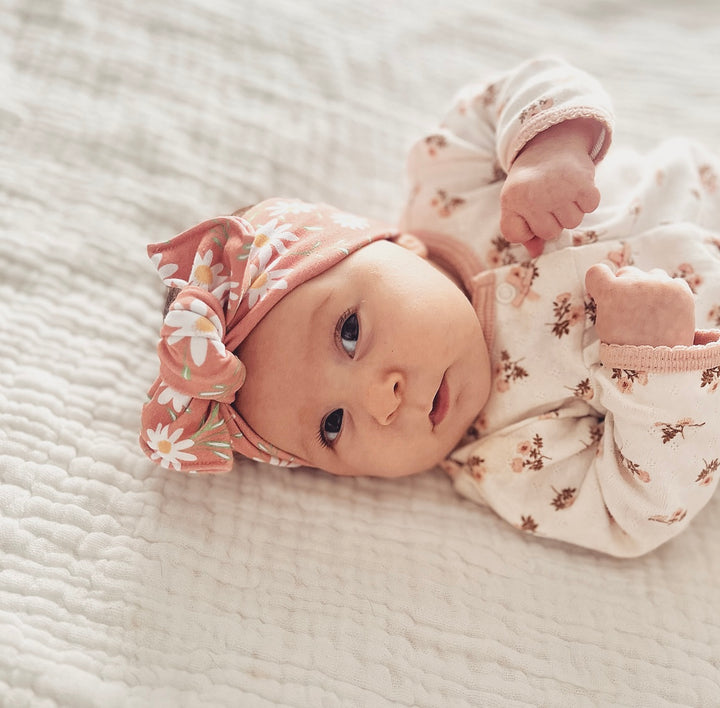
<point x="125" y="585"/>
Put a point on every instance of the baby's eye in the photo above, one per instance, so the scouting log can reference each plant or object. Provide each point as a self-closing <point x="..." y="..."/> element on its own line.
<point x="331" y="426"/>
<point x="349" y="331"/>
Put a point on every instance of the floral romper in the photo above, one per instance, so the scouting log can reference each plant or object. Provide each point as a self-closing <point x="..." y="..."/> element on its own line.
<point x="614" y="448"/>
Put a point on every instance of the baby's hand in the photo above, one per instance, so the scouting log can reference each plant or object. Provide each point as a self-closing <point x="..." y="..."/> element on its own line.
<point x="550" y="186"/>
<point x="635" y="307"/>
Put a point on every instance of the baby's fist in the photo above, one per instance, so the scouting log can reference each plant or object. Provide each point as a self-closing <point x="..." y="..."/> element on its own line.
<point x="638" y="307"/>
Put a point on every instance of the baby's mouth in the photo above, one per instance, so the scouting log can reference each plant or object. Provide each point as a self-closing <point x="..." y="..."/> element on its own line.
<point x="441" y="403"/>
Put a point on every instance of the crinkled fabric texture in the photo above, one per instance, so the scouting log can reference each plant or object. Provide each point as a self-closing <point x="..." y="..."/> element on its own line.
<point x="122" y="584"/>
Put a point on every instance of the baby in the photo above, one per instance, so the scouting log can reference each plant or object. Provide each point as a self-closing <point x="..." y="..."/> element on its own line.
<point x="557" y="354"/>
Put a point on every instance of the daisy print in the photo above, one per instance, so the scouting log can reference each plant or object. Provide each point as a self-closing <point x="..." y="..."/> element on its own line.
<point x="166" y="271"/>
<point x="268" y="237"/>
<point x="179" y="401"/>
<point x="200" y="325"/>
<point x="205" y="274"/>
<point x="168" y="449"/>
<point x="349" y="221"/>
<point x="290" y="206"/>
<point x="265" y="281"/>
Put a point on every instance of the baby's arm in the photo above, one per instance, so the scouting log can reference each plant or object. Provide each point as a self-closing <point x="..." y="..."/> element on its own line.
<point x="500" y="128"/>
<point x="550" y="185"/>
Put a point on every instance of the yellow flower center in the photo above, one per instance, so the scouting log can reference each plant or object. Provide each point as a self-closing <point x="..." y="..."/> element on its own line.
<point x="164" y="447"/>
<point x="203" y="324"/>
<point x="260" y="240"/>
<point x="203" y="274"/>
<point x="260" y="281"/>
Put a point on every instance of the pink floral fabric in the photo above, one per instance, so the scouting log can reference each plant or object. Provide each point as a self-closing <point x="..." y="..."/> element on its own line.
<point x="231" y="271"/>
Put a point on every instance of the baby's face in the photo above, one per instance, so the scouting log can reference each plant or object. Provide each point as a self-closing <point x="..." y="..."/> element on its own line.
<point x="375" y="367"/>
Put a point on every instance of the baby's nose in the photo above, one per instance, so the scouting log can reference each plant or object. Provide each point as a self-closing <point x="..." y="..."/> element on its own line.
<point x="384" y="395"/>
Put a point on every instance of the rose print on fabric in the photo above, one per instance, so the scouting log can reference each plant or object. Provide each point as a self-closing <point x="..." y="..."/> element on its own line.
<point x="476" y="467"/>
<point x="521" y="277"/>
<point x="434" y="143"/>
<point x="622" y="256"/>
<point x="564" y="499"/>
<point x="714" y="316"/>
<point x="708" y="178"/>
<point x="625" y="378"/>
<point x="581" y="238"/>
<point x="538" y="106"/>
<point x="635" y="209"/>
<point x="706" y="476"/>
<point x="567" y="314"/>
<point x="508" y="371"/>
<point x="445" y="204"/>
<point x="672" y="430"/>
<point x="169" y="448"/>
<point x="527" y="523"/>
<point x="583" y="390"/>
<point x="591" y="310"/>
<point x="633" y="468"/>
<point x="596" y="434"/>
<point x="500" y="253"/>
<point x="688" y="274"/>
<point x="669" y="519"/>
<point x="531" y="456"/>
<point x="711" y="378"/>
<point x="488" y="96"/>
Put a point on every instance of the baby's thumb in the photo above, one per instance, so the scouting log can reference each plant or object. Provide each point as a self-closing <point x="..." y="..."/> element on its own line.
<point x="597" y="279"/>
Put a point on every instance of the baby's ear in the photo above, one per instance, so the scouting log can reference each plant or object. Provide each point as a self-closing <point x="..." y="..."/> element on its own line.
<point x="412" y="243"/>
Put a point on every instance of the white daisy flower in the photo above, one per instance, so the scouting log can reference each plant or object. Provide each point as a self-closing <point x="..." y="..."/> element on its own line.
<point x="179" y="400"/>
<point x="168" y="449"/>
<point x="350" y="221"/>
<point x="198" y="323"/>
<point x="269" y="236"/>
<point x="290" y="206"/>
<point x="205" y="274"/>
<point x="264" y="282"/>
<point x="230" y="287"/>
<point x="164" y="271"/>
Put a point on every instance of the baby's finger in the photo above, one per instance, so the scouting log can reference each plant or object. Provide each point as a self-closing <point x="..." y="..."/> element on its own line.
<point x="546" y="226"/>
<point x="514" y="228"/>
<point x="535" y="246"/>
<point x="569" y="216"/>
<point x="598" y="279"/>
<point x="589" y="199"/>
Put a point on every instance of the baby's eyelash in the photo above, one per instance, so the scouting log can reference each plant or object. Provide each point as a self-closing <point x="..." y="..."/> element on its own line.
<point x="321" y="438"/>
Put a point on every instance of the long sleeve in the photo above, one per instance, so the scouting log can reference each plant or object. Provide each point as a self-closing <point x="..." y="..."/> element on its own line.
<point x="615" y="448"/>
<point x="455" y="172"/>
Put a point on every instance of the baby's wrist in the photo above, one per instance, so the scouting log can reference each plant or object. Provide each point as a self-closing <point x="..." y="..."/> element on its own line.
<point x="578" y="134"/>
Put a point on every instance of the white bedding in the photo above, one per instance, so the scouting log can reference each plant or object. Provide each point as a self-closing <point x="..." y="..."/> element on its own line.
<point x="122" y="584"/>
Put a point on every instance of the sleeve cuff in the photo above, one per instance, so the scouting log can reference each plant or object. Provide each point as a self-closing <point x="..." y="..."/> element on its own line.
<point x="703" y="354"/>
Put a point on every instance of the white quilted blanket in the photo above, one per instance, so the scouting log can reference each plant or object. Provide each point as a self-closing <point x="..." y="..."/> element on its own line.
<point x="125" y="585"/>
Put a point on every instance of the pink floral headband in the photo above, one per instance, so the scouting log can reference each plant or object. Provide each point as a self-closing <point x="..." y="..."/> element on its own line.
<point x="231" y="271"/>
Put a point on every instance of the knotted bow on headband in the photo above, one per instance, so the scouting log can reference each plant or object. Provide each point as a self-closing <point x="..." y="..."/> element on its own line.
<point x="231" y="271"/>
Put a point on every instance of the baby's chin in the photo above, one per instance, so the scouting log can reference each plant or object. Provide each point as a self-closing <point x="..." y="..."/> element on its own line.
<point x="395" y="469"/>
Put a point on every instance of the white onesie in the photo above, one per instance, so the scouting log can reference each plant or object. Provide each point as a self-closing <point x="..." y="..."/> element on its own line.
<point x="614" y="448"/>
